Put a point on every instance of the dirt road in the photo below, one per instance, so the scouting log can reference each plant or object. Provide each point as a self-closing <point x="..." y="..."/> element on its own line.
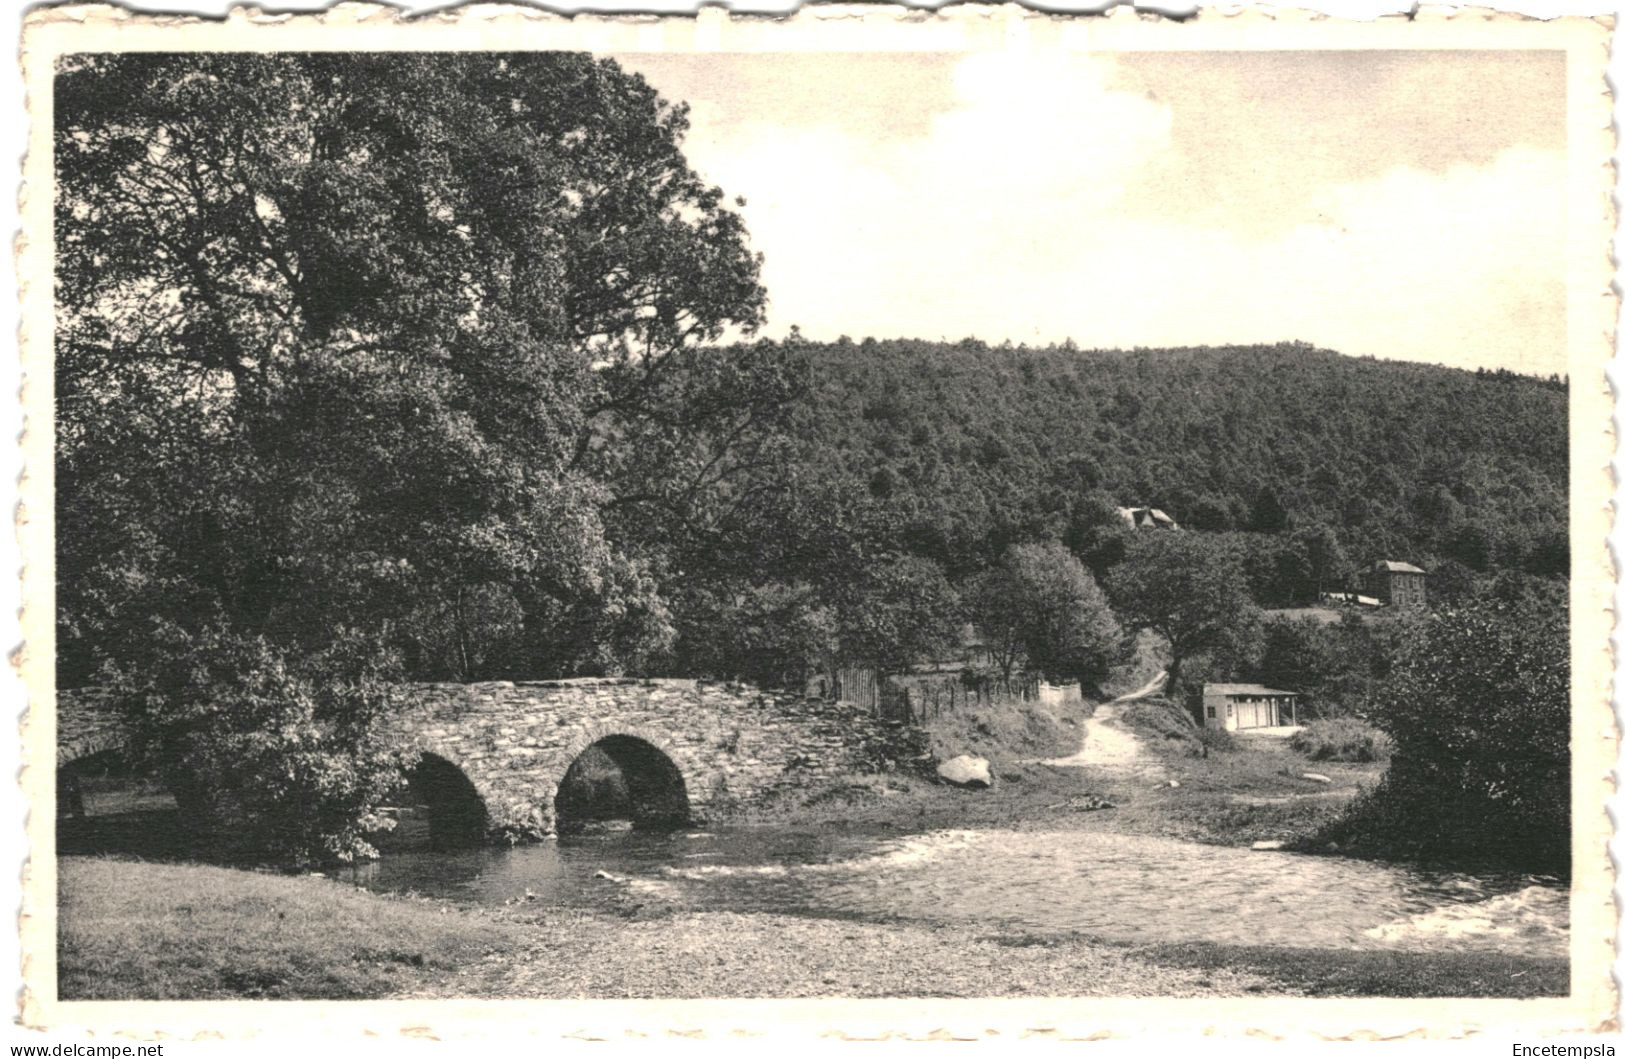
<point x="1109" y="746"/>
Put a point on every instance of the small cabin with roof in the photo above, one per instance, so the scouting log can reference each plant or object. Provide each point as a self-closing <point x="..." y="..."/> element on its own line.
<point x="1237" y="707"/>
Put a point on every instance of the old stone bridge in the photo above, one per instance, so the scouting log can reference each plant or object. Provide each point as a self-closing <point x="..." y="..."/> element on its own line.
<point x="492" y="756"/>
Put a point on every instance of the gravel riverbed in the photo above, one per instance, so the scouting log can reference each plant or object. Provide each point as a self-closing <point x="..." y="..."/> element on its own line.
<point x="725" y="954"/>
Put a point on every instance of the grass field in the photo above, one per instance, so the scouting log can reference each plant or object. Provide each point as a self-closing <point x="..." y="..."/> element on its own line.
<point x="1344" y="972"/>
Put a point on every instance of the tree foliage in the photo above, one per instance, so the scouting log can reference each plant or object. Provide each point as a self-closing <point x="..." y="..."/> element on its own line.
<point x="268" y="754"/>
<point x="1478" y="709"/>
<point x="962" y="449"/>
<point x="772" y="634"/>
<point x="1041" y="608"/>
<point x="901" y="611"/>
<point x="391" y="355"/>
<point x="1337" y="668"/>
<point x="1187" y="588"/>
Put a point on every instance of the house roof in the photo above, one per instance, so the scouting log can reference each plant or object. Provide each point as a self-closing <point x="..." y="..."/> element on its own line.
<point x="1396" y="567"/>
<point x="1138" y="516"/>
<point x="1243" y="689"/>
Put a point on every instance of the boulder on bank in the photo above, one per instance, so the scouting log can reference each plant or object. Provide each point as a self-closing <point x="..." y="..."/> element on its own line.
<point x="966" y="770"/>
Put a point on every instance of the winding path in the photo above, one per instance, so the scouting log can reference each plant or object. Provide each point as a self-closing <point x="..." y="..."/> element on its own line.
<point x="1108" y="746"/>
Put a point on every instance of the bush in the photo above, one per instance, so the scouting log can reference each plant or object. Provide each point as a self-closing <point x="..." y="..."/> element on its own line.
<point x="1478" y="709"/>
<point x="1216" y="739"/>
<point x="269" y="757"/>
<point x="1343" y="739"/>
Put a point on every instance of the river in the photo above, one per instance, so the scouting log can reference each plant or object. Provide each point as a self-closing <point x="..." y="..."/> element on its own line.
<point x="1111" y="886"/>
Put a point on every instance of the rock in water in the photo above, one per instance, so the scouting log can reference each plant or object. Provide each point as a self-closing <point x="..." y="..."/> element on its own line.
<point x="966" y="770"/>
<point x="1271" y="844"/>
<point x="607" y="877"/>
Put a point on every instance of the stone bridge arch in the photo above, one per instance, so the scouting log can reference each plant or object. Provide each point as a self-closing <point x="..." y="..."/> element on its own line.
<point x="666" y="782"/>
<point x="459" y="806"/>
<point x="513" y="742"/>
<point x="78" y="748"/>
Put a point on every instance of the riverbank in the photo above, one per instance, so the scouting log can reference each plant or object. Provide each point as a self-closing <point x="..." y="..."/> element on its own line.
<point x="729" y="954"/>
<point x="133" y="930"/>
<point x="1253" y="791"/>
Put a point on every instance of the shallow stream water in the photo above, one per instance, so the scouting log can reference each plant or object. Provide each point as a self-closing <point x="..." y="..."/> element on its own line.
<point x="1116" y="887"/>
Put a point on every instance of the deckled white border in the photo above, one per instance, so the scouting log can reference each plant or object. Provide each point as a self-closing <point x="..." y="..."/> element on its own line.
<point x="1591" y="319"/>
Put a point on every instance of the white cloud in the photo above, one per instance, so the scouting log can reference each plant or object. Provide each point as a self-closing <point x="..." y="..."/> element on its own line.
<point x="1004" y="221"/>
<point x="1462" y="268"/>
<point x="875" y="235"/>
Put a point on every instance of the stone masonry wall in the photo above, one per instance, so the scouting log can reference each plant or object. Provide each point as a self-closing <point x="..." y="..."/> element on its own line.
<point x="85" y="724"/>
<point x="733" y="744"/>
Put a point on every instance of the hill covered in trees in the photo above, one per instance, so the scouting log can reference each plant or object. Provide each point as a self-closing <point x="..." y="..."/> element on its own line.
<point x="902" y="474"/>
<point x="965" y="448"/>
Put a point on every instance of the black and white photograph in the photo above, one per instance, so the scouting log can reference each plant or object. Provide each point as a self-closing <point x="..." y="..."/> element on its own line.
<point x="694" y="509"/>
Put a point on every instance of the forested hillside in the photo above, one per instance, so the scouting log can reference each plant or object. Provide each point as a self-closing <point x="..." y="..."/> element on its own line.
<point x="966" y="448"/>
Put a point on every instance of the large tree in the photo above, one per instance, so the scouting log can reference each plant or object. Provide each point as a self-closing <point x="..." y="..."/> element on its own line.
<point x="343" y="337"/>
<point x="356" y="347"/>
<point x="1042" y="608"/>
<point x="1189" y="589"/>
<point x="899" y="611"/>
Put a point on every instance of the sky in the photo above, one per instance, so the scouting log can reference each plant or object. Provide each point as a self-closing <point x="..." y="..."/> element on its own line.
<point x="1405" y="205"/>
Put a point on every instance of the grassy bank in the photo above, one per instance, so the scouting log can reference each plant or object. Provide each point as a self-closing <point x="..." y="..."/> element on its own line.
<point x="133" y="930"/>
<point x="1234" y="789"/>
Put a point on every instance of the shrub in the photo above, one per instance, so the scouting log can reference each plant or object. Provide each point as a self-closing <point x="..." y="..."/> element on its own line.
<point x="1478" y="709"/>
<point x="269" y="758"/>
<point x="1342" y="739"/>
<point x="1216" y="739"/>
